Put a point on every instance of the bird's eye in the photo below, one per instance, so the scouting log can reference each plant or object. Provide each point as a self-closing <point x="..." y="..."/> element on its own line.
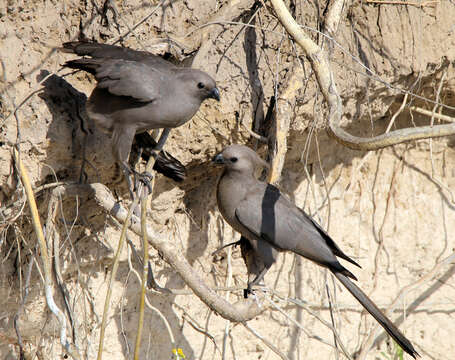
<point x="234" y="159"/>
<point x="200" y="85"/>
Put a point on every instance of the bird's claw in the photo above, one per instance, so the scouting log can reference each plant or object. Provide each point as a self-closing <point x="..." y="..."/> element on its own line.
<point x="247" y="292"/>
<point x="146" y="178"/>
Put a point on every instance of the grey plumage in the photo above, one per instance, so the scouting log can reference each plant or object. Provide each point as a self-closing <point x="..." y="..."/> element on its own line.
<point x="144" y="145"/>
<point x="138" y="91"/>
<point x="272" y="224"/>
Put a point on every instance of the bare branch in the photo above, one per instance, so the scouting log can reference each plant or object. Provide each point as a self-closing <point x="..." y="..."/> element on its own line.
<point x="332" y="19"/>
<point x="321" y="66"/>
<point x="200" y="40"/>
<point x="433" y="114"/>
<point x="266" y="342"/>
<point x="283" y="114"/>
<point x="44" y="255"/>
<point x="145" y="204"/>
<point x="147" y="302"/>
<point x="402" y="294"/>
<point x="407" y="3"/>
<point x="243" y="310"/>
<point x="115" y="265"/>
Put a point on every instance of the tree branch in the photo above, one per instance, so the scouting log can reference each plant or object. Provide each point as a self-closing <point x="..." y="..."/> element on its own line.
<point x="70" y="348"/>
<point x="320" y="63"/>
<point x="284" y="109"/>
<point x="243" y="310"/>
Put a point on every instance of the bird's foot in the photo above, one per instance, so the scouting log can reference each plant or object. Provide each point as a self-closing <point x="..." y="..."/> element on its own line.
<point x="247" y="292"/>
<point x="146" y="178"/>
<point x="151" y="282"/>
<point x="235" y="243"/>
<point x="256" y="300"/>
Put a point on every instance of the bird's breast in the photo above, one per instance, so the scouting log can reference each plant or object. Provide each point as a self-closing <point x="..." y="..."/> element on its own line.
<point x="229" y="195"/>
<point x="119" y="111"/>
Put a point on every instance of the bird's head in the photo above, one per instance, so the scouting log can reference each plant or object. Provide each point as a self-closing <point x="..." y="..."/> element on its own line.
<point x="239" y="158"/>
<point x="200" y="84"/>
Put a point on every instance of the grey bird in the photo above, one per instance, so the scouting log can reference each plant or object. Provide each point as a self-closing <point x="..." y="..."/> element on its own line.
<point x="271" y="224"/>
<point x="137" y="91"/>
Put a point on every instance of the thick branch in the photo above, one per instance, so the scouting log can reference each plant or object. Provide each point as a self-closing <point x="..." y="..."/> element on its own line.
<point x="243" y="310"/>
<point x="284" y="109"/>
<point x="332" y="19"/>
<point x="321" y="66"/>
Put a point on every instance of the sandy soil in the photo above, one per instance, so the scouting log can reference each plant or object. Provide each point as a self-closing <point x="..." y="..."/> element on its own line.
<point x="393" y="210"/>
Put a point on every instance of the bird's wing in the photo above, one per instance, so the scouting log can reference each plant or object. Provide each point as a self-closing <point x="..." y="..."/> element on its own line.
<point x="273" y="218"/>
<point x="329" y="241"/>
<point x="130" y="78"/>
<point x="106" y="51"/>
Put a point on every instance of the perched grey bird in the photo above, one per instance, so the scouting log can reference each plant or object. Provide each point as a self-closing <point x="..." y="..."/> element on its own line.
<point x="138" y="91"/>
<point x="271" y="224"/>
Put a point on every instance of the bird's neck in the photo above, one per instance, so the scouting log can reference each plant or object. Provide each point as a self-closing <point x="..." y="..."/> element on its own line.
<point x="238" y="177"/>
<point x="235" y="185"/>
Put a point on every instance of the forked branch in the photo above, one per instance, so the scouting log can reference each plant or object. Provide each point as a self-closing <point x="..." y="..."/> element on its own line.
<point x="321" y="66"/>
<point x="243" y="310"/>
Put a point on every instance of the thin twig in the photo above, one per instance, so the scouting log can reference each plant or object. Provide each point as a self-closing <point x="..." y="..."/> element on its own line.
<point x="29" y="96"/>
<point x="398" y="112"/>
<point x="332" y="319"/>
<point x="147" y="302"/>
<point x="302" y="305"/>
<point x="408" y="3"/>
<point x="243" y="310"/>
<point x="321" y="65"/>
<point x="265" y="341"/>
<point x="21" y="307"/>
<point x="228" y="284"/>
<point x="194" y="324"/>
<point x="380" y="241"/>
<point x="145" y="203"/>
<point x="140" y="22"/>
<point x="401" y="294"/>
<point x="112" y="277"/>
<point x="432" y="114"/>
<point x="44" y="255"/>
<point x="261" y="138"/>
<point x="51" y="233"/>
<point x="122" y="302"/>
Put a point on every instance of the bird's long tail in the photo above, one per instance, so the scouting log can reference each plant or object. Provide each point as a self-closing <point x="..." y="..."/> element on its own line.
<point x="370" y="306"/>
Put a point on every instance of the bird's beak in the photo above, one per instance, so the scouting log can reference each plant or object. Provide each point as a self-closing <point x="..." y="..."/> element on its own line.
<point x="218" y="159"/>
<point x="215" y="94"/>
